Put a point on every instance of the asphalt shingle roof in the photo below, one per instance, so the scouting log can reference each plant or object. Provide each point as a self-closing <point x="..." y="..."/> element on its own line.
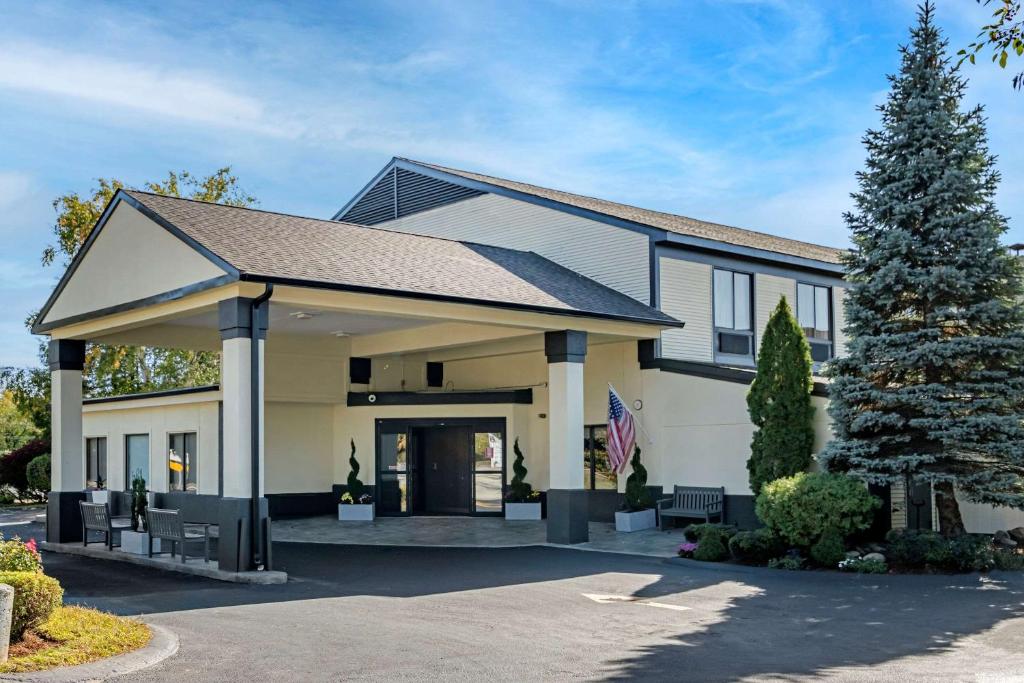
<point x="263" y="244"/>
<point x="681" y="225"/>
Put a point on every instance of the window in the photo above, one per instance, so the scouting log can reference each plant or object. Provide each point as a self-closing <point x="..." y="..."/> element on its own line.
<point x="182" y="462"/>
<point x="597" y="470"/>
<point x="814" y="313"/>
<point x="96" y="463"/>
<point x="733" y="313"/>
<point x="136" y="458"/>
<point x="488" y="454"/>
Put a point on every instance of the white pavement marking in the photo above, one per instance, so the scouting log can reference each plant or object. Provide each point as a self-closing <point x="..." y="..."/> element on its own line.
<point x="605" y="599"/>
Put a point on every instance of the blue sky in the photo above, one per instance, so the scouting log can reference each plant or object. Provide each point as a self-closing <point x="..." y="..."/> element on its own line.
<point x="746" y="112"/>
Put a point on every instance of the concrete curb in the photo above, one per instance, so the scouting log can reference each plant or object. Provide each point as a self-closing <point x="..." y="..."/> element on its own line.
<point x="162" y="645"/>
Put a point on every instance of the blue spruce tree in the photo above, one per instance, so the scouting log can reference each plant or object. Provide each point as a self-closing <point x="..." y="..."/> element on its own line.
<point x="932" y="388"/>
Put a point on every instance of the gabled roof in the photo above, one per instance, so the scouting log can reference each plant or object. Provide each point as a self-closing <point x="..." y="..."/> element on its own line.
<point x="265" y="246"/>
<point x="681" y="225"/>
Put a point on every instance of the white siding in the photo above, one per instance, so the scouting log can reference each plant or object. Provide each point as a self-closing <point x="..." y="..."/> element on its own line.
<point x="839" y="315"/>
<point x="768" y="289"/>
<point x="615" y="257"/>
<point x="686" y="295"/>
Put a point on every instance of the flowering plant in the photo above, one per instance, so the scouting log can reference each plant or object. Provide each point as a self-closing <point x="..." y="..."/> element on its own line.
<point x="347" y="499"/>
<point x="687" y="549"/>
<point x="18" y="556"/>
<point x="863" y="566"/>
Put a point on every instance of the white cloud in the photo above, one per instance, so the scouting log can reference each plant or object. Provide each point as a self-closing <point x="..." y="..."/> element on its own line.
<point x="162" y="90"/>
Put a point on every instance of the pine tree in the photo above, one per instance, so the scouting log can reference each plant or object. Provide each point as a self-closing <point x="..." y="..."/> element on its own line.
<point x="932" y="388"/>
<point x="779" y="402"/>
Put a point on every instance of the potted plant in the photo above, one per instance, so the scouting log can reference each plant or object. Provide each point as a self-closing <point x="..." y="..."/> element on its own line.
<point x="521" y="501"/>
<point x="136" y="541"/>
<point x="356" y="504"/>
<point x="639" y="513"/>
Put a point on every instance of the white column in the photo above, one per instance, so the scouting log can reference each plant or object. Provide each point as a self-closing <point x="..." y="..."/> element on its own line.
<point x="67" y="459"/>
<point x="565" y="425"/>
<point x="236" y="387"/>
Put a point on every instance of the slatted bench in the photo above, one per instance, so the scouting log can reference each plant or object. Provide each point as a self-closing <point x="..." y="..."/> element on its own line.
<point x="97" y="517"/>
<point x="169" y="525"/>
<point x="693" y="502"/>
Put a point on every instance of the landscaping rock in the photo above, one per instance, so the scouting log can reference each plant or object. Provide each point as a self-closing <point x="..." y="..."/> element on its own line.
<point x="852" y="554"/>
<point x="1017" y="534"/>
<point x="1002" y="538"/>
<point x="877" y="557"/>
<point x="875" y="548"/>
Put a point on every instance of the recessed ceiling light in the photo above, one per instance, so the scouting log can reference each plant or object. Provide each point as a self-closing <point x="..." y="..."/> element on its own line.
<point x="340" y="333"/>
<point x="302" y="315"/>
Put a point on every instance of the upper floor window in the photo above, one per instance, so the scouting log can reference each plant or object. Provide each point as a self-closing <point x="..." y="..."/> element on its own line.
<point x="734" y="316"/>
<point x="814" y="313"/>
<point x="96" y="463"/>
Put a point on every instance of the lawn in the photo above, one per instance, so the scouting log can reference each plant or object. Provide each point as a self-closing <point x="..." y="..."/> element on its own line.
<point x="75" y="635"/>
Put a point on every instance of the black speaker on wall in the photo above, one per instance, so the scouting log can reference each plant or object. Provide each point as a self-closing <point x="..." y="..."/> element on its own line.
<point x="359" y="370"/>
<point x="435" y="374"/>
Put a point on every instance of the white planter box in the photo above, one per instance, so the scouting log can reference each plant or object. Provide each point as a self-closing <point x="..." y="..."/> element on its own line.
<point x="635" y="521"/>
<point x="355" y="513"/>
<point x="137" y="542"/>
<point x="522" y="511"/>
<point x="99" y="497"/>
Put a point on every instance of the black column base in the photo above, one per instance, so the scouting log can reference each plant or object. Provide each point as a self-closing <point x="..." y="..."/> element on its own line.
<point x="567" y="516"/>
<point x="63" y="516"/>
<point x="235" y="517"/>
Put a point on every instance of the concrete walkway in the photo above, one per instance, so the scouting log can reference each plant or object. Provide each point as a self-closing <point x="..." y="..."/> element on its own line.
<point x="467" y="532"/>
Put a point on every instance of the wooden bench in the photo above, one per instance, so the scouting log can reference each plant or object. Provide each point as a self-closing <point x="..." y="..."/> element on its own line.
<point x="692" y="501"/>
<point x="168" y="525"/>
<point x="97" y="517"/>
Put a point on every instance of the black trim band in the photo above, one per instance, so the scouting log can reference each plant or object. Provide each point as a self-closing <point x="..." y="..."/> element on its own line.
<point x="724" y="373"/>
<point x="66" y="354"/>
<point x="409" y="398"/>
<point x="151" y="394"/>
<point x="567" y="346"/>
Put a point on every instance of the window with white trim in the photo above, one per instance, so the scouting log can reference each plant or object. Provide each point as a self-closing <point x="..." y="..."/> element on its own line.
<point x="733" y="297"/>
<point x="814" y="313"/>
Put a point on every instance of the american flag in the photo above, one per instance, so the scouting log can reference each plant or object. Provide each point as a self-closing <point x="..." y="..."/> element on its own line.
<point x="621" y="432"/>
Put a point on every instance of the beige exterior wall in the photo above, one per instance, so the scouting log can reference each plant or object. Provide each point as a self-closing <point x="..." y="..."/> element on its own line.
<point x="839" y="319"/>
<point x="613" y="256"/>
<point x="157" y="417"/>
<point x="686" y="296"/>
<point x="132" y="258"/>
<point x="299" y="447"/>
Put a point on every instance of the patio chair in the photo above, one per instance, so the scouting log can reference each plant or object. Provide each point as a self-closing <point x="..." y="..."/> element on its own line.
<point x="168" y="525"/>
<point x="97" y="517"/>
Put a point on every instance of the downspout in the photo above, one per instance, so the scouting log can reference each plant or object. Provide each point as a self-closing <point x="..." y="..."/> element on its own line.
<point x="255" y="316"/>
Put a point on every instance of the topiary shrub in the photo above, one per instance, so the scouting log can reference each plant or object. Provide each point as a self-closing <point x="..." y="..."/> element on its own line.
<point x="695" y="532"/>
<point x="18" y="556"/>
<point x="803" y="507"/>
<point x="519" y="491"/>
<point x="355" y="488"/>
<point x="637" y="496"/>
<point x="829" y="550"/>
<point x="756" y="547"/>
<point x="38" y="474"/>
<point x="35" y="597"/>
<point x="711" y="547"/>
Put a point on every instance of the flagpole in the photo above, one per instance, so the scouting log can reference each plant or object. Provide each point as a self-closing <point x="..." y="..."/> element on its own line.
<point x="635" y="420"/>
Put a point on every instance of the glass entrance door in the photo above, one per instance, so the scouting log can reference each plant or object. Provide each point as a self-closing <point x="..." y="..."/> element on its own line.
<point x="440" y="466"/>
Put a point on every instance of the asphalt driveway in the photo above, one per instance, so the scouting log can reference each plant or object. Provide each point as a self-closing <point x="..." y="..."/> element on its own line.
<point x="546" y="613"/>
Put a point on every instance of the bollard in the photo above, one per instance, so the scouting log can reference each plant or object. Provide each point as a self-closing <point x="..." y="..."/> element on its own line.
<point x="6" y="612"/>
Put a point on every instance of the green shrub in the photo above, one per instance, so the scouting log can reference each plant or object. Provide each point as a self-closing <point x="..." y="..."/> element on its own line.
<point x="862" y="566"/>
<point x="790" y="562"/>
<point x="16" y="556"/>
<point x="829" y="550"/>
<point x="971" y="553"/>
<point x="519" y="491"/>
<point x="638" y="496"/>
<point x="695" y="532"/>
<point x="917" y="549"/>
<point x="803" y="507"/>
<point x="35" y="597"/>
<point x="756" y="547"/>
<point x="711" y="547"/>
<point x="1008" y="560"/>
<point x="7" y="496"/>
<point x="38" y="473"/>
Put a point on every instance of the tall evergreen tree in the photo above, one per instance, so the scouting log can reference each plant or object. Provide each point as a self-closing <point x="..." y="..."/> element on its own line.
<point x="932" y="389"/>
<point x="779" y="402"/>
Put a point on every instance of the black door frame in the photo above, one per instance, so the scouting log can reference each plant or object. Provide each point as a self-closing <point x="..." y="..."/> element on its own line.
<point x="478" y="424"/>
